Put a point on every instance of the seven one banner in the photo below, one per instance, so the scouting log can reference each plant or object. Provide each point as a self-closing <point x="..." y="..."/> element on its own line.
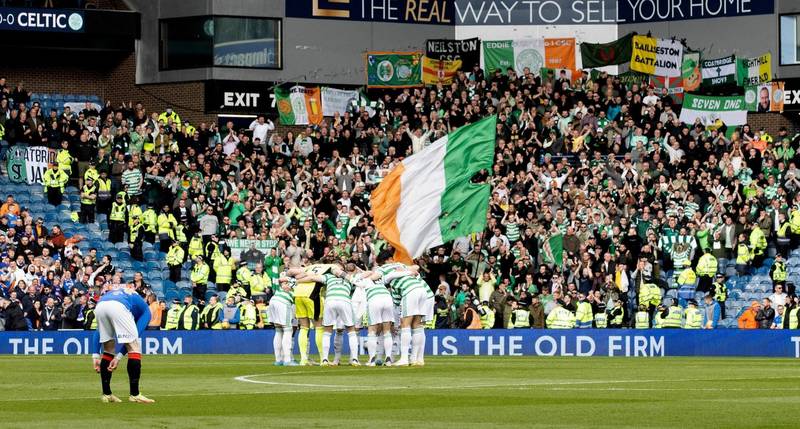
<point x="708" y="110"/>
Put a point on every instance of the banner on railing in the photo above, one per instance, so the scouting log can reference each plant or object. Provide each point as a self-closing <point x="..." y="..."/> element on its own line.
<point x="523" y="342"/>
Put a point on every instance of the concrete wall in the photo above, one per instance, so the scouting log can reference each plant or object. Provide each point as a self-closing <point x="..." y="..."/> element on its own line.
<point x="316" y="51"/>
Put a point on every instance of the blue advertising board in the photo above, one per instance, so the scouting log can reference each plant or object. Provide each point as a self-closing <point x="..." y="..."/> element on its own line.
<point x="50" y="20"/>
<point x="525" y="12"/>
<point x="528" y="342"/>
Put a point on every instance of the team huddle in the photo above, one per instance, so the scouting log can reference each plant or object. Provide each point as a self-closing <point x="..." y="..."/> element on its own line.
<point x="391" y="300"/>
<point x="330" y="298"/>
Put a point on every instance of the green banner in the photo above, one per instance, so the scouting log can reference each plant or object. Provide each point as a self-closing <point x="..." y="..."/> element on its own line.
<point x="607" y="54"/>
<point x="16" y="164"/>
<point x="283" y="101"/>
<point x="394" y="69"/>
<point x="498" y="54"/>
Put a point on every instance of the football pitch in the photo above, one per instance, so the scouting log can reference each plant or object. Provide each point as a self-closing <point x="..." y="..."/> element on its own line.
<point x="232" y="391"/>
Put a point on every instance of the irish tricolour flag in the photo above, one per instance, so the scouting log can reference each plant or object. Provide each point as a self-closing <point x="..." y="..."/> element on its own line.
<point x="429" y="198"/>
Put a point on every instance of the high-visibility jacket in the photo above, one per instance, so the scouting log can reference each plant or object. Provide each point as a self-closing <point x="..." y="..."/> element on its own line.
<point x="224" y="268"/>
<point x="692" y="318"/>
<point x="248" y="317"/>
<point x="175" y="256"/>
<point x="707" y="265"/>
<point x="522" y="318"/>
<point x="172" y="317"/>
<point x="642" y="319"/>
<point x="91" y="173"/>
<point x="176" y="119"/>
<point x="259" y="283"/>
<point x="237" y="290"/>
<point x="475" y="323"/>
<point x="560" y="318"/>
<point x="199" y="273"/>
<point x="263" y="313"/>
<point x="673" y="319"/>
<point x="133" y="232"/>
<point x="758" y="241"/>
<point x="212" y="251"/>
<point x="794" y="221"/>
<point x="90" y="321"/>
<point x="649" y="294"/>
<point x="64" y="161"/>
<point x="583" y="315"/>
<point x="86" y="194"/>
<point x="134" y="211"/>
<point x="243" y="275"/>
<point x="779" y="273"/>
<point x="687" y="277"/>
<point x="166" y="224"/>
<point x="743" y="255"/>
<point x="600" y="320"/>
<point x="658" y="321"/>
<point x="783" y="230"/>
<point x="189" y="319"/>
<point x="210" y="316"/>
<point x="150" y="220"/>
<point x="180" y="234"/>
<point x="618" y="318"/>
<point x="720" y="292"/>
<point x="118" y="212"/>
<point x="103" y="188"/>
<point x="54" y="178"/>
<point x="487" y="318"/>
<point x="195" y="247"/>
<point x="793" y="322"/>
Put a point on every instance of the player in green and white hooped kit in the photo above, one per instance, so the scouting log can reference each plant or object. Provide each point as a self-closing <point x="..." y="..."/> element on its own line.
<point x="409" y="288"/>
<point x="338" y="310"/>
<point x="380" y="315"/>
<point x="280" y="315"/>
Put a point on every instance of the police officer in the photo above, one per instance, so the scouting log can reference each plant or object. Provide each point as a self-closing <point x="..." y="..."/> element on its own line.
<point x="692" y="317"/>
<point x="64" y="159"/>
<point x="199" y="278"/>
<point x="175" y="262"/>
<point x="243" y="275"/>
<point x="560" y="317"/>
<point x="778" y="272"/>
<point x="195" y="247"/>
<point x="642" y="318"/>
<point x="260" y="281"/>
<point x="103" y="202"/>
<point x="583" y="313"/>
<point x="54" y="180"/>
<point x="172" y="315"/>
<point x="89" y="319"/>
<point x="487" y="315"/>
<point x="88" y="201"/>
<point x="248" y="317"/>
<point x="166" y="227"/>
<point x="189" y="316"/>
<point x="706" y="269"/>
<point x="223" y="266"/>
<point x="135" y="239"/>
<point x="117" y="219"/>
<point x="616" y="315"/>
<point x="743" y="256"/>
<point x="672" y="316"/>
<point x="720" y="293"/>
<point x="209" y="317"/>
<point x="150" y="222"/>
<point x="520" y="316"/>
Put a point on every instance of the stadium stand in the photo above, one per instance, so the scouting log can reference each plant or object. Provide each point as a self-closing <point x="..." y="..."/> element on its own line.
<point x="642" y="199"/>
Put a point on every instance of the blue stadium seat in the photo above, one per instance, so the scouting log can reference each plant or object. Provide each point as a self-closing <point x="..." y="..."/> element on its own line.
<point x="57" y="97"/>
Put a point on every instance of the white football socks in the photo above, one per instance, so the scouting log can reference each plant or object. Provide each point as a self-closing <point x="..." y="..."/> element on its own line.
<point x="287" y="344"/>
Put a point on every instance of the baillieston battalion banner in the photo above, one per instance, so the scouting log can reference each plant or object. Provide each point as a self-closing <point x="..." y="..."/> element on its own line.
<point x="394" y="69"/>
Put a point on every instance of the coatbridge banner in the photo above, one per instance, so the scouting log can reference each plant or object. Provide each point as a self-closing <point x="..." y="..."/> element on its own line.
<point x="524" y="12"/>
<point x="529" y="342"/>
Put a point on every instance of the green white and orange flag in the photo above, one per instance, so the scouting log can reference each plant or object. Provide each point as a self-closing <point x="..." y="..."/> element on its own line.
<point x="429" y="198"/>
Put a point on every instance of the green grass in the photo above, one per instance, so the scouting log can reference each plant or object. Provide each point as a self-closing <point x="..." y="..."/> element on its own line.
<point x="202" y="391"/>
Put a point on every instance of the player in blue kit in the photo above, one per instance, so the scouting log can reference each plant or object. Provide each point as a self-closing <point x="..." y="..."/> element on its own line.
<point x="122" y="316"/>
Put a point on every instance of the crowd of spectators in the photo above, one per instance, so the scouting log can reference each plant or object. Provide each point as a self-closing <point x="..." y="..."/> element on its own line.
<point x="637" y="197"/>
